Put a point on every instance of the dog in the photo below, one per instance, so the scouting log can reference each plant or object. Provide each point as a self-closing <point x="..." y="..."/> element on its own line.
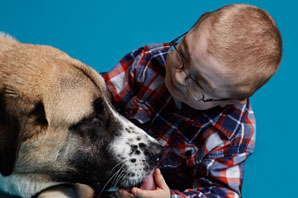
<point x="59" y="130"/>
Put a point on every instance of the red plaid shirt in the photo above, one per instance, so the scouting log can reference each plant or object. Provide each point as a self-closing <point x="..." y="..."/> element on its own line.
<point x="205" y="151"/>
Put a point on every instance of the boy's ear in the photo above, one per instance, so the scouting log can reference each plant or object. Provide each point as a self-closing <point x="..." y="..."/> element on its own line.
<point x="10" y="139"/>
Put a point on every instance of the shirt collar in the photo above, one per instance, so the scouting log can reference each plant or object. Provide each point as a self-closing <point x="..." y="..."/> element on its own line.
<point x="226" y="119"/>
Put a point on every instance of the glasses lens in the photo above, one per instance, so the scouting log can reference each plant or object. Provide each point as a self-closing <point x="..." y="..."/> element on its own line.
<point x="171" y="50"/>
<point x="176" y="57"/>
<point x="193" y="87"/>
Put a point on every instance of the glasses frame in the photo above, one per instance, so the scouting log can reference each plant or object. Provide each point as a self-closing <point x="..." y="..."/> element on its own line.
<point x="173" y="44"/>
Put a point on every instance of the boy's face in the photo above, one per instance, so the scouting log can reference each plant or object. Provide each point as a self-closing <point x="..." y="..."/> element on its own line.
<point x="206" y="71"/>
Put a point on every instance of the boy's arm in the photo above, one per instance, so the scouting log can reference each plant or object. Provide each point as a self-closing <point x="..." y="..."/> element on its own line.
<point x="217" y="178"/>
<point x="121" y="79"/>
<point x="224" y="179"/>
<point x="220" y="174"/>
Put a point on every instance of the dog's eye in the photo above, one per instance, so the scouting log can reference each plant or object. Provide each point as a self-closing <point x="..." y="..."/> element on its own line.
<point x="95" y="120"/>
<point x="87" y="124"/>
<point x="98" y="105"/>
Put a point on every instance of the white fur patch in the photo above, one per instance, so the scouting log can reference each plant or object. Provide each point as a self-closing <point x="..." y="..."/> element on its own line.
<point x="21" y="186"/>
<point x="127" y="148"/>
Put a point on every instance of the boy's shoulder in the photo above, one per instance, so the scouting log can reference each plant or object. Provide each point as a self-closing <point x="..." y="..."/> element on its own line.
<point x="149" y="60"/>
<point x="238" y="119"/>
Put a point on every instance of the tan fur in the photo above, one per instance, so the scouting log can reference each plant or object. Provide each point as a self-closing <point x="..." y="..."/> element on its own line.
<point x="34" y="73"/>
<point x="75" y="190"/>
<point x="58" y="128"/>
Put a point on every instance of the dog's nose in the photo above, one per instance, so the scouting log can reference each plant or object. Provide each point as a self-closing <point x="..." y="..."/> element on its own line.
<point x="154" y="152"/>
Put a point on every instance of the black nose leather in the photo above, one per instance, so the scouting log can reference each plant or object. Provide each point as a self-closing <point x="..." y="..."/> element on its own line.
<point x="154" y="152"/>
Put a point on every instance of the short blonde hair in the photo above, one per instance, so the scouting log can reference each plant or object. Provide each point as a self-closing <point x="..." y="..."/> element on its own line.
<point x="246" y="39"/>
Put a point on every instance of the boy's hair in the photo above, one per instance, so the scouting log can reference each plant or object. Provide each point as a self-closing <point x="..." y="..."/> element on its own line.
<point x="246" y="39"/>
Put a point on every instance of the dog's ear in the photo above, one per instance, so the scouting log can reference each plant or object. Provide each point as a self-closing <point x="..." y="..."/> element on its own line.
<point x="37" y="120"/>
<point x="12" y="132"/>
<point x="39" y="114"/>
<point x="10" y="139"/>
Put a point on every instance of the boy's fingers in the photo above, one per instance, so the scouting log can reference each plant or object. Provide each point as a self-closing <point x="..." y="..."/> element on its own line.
<point x="123" y="194"/>
<point x="139" y="193"/>
<point x="159" y="180"/>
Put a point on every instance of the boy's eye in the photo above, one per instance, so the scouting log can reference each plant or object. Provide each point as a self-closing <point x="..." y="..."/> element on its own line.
<point x="181" y="53"/>
<point x="183" y="56"/>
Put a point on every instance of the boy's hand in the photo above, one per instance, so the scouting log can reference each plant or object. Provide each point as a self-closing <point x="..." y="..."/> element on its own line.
<point x="161" y="191"/>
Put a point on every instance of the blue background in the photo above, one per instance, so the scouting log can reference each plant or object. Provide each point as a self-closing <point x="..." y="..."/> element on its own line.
<point x="100" y="33"/>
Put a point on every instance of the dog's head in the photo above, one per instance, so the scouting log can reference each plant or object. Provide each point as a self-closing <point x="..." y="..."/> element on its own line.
<point x="57" y="125"/>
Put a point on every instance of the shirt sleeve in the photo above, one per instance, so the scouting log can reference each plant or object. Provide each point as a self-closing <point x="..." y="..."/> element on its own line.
<point x="121" y="79"/>
<point x="220" y="174"/>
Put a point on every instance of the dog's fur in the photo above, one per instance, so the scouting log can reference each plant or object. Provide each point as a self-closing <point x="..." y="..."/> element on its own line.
<point x="57" y="126"/>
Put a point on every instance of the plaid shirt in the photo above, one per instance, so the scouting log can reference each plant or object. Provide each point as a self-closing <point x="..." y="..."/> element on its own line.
<point x="205" y="151"/>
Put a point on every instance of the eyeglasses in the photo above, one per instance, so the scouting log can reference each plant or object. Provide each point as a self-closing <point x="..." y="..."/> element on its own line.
<point x="192" y="85"/>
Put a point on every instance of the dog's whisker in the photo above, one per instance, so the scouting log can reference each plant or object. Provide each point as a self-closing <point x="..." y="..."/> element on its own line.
<point x="120" y="176"/>
<point x="115" y="175"/>
<point x="120" y="171"/>
<point x="110" y="172"/>
<point x="125" y="175"/>
<point x="111" y="179"/>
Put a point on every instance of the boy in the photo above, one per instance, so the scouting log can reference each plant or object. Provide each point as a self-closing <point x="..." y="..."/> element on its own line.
<point x="192" y="95"/>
